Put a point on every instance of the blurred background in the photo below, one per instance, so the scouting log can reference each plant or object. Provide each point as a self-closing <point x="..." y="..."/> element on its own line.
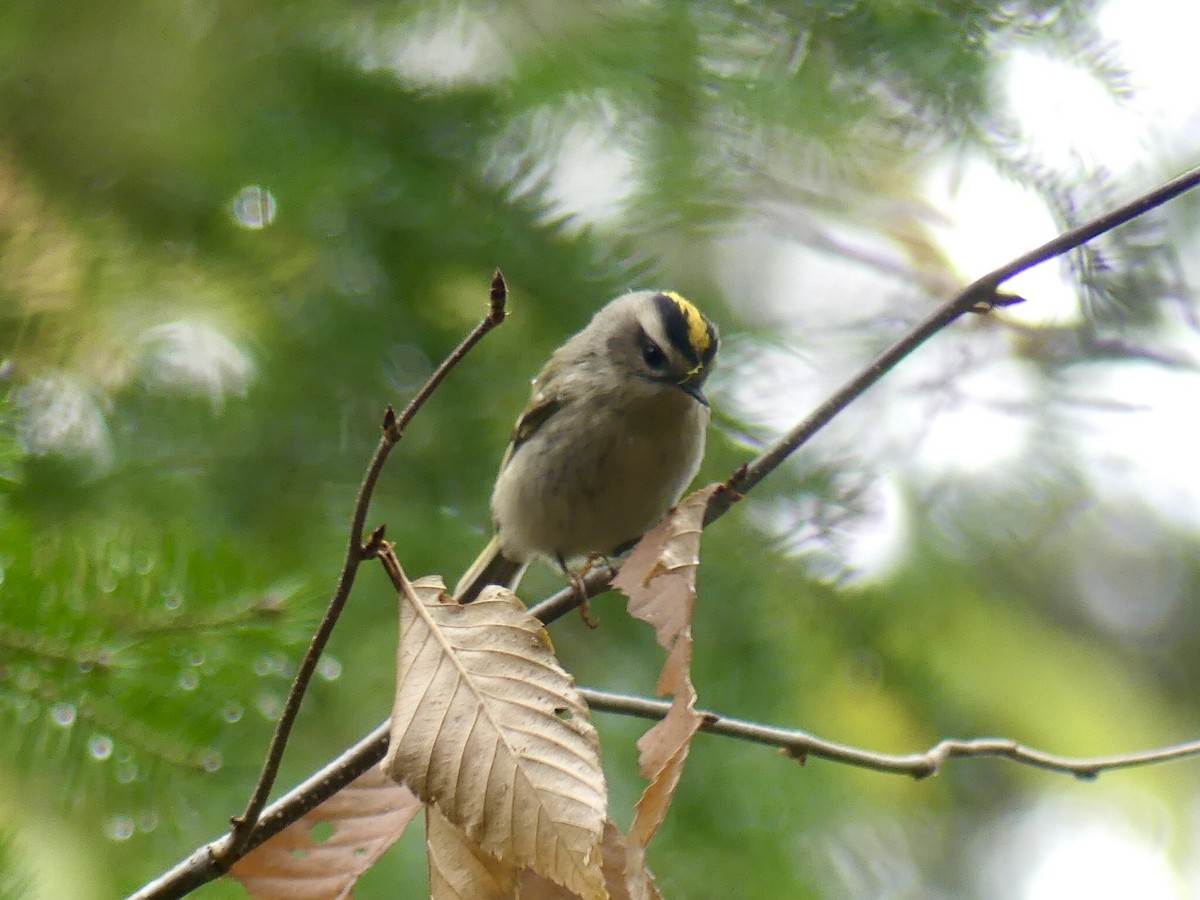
<point x="231" y="233"/>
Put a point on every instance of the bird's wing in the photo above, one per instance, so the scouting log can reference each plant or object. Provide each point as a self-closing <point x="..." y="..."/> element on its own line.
<point x="537" y="415"/>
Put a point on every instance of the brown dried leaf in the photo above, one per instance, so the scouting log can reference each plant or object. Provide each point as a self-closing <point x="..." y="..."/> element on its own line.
<point x="534" y="887"/>
<point x="459" y="869"/>
<point x="660" y="580"/>
<point x="367" y="816"/>
<point x="489" y="727"/>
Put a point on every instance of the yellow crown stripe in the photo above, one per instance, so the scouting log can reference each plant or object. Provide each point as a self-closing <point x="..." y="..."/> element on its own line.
<point x="697" y="325"/>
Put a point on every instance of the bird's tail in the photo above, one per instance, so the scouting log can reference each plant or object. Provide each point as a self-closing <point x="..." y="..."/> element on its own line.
<point x="490" y="567"/>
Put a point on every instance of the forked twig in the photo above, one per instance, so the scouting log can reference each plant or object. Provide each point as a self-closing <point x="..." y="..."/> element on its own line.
<point x="801" y="745"/>
<point x="976" y="297"/>
<point x="356" y="552"/>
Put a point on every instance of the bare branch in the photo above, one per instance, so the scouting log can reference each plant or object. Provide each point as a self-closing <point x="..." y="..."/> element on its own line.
<point x="983" y="292"/>
<point x="392" y="430"/>
<point x="801" y="744"/>
<point x="202" y="866"/>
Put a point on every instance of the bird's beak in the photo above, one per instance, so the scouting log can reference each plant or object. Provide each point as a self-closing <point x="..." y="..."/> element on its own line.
<point x="695" y="389"/>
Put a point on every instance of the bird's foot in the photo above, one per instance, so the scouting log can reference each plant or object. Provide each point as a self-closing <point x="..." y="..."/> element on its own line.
<point x="580" y="587"/>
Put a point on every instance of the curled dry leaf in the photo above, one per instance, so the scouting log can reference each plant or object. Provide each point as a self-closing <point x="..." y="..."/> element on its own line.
<point x="459" y="869"/>
<point x="660" y="580"/>
<point x="532" y="886"/>
<point x="487" y="726"/>
<point x="366" y="816"/>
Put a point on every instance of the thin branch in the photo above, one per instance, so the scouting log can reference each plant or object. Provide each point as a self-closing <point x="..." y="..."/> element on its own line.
<point x="557" y="605"/>
<point x="202" y="866"/>
<point x="983" y="291"/>
<point x="801" y="744"/>
<point x="356" y="552"/>
<point x="394" y="429"/>
<point x="395" y="572"/>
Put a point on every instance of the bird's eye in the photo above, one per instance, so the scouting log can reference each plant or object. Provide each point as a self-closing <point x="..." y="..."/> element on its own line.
<point x="653" y="354"/>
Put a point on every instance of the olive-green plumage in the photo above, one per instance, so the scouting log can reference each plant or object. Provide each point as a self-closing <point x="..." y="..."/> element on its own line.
<point x="613" y="433"/>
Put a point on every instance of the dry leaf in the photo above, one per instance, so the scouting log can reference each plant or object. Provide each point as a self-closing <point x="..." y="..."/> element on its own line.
<point x="534" y="887"/>
<point x="618" y="874"/>
<point x="489" y="727"/>
<point x="367" y="816"/>
<point x="459" y="868"/>
<point x="660" y="580"/>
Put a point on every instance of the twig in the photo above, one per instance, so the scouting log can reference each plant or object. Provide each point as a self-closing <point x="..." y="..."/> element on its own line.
<point x="395" y="572"/>
<point x="557" y="605"/>
<point x="801" y="744"/>
<point x="356" y="552"/>
<point x="202" y="867"/>
<point x="983" y="291"/>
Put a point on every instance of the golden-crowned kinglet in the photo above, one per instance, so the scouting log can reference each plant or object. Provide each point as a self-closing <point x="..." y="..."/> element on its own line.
<point x="613" y="433"/>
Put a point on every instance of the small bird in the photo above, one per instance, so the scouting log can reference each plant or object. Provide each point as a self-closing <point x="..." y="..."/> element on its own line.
<point x="613" y="433"/>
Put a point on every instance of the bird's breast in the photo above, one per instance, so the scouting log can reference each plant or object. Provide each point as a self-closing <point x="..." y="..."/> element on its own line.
<point x="595" y="486"/>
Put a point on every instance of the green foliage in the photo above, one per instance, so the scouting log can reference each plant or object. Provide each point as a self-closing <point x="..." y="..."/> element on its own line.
<point x="14" y="878"/>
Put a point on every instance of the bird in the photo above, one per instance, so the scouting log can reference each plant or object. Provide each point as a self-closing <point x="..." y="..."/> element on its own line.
<point x="613" y="433"/>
